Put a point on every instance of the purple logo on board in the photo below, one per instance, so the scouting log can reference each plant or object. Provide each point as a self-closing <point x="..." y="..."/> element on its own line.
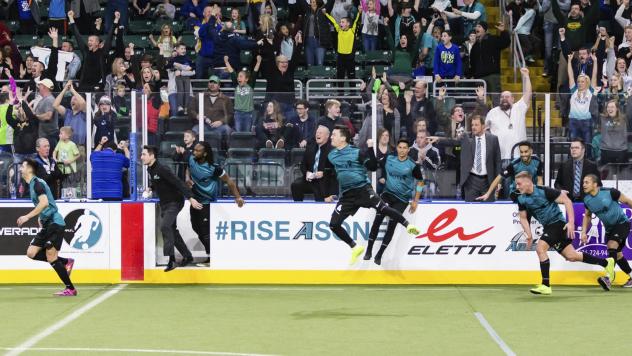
<point x="596" y="233"/>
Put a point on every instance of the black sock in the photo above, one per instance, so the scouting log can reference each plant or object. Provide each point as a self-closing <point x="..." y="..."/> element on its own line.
<point x="624" y="265"/>
<point x="62" y="260"/>
<point x="62" y="273"/>
<point x="612" y="253"/>
<point x="343" y="235"/>
<point x="592" y="260"/>
<point x="381" y="251"/>
<point x="544" y="270"/>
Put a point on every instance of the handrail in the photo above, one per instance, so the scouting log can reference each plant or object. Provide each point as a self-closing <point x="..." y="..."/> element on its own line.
<point x="329" y="88"/>
<point x="466" y="92"/>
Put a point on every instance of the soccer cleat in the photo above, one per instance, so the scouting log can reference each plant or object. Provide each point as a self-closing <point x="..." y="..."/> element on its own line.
<point x="627" y="284"/>
<point x="605" y="283"/>
<point x="541" y="289"/>
<point x="66" y="293"/>
<point x="610" y="268"/>
<point x="412" y="229"/>
<point x="355" y="253"/>
<point x="69" y="265"/>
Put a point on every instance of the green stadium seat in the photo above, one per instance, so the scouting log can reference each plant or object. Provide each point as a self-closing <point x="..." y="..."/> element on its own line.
<point x="385" y="57"/>
<point x="330" y="58"/>
<point x="141" y="27"/>
<point x="246" y="57"/>
<point x="189" y="41"/>
<point x="139" y="41"/>
<point x="325" y="72"/>
<point x="27" y="41"/>
<point x="13" y="25"/>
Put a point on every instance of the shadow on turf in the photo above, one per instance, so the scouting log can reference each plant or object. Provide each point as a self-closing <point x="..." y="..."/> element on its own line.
<point x="338" y="314"/>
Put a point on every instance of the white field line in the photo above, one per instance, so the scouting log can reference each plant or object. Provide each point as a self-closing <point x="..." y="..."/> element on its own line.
<point x="494" y="334"/>
<point x="32" y="341"/>
<point x="127" y="351"/>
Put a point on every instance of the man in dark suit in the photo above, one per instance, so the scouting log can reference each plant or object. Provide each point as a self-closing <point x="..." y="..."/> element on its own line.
<point x="480" y="159"/>
<point x="318" y="175"/>
<point x="569" y="178"/>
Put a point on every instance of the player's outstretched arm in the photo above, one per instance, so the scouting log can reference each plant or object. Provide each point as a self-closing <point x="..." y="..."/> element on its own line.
<point x="526" y="227"/>
<point x="625" y="200"/>
<point x="491" y="189"/>
<point x="585" y="222"/>
<point x="232" y="187"/>
<point x="570" y="212"/>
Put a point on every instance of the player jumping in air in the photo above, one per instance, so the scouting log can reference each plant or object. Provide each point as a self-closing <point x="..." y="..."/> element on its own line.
<point x="604" y="203"/>
<point x="46" y="245"/>
<point x="400" y="172"/>
<point x="355" y="187"/>
<point x="527" y="162"/>
<point x="542" y="204"/>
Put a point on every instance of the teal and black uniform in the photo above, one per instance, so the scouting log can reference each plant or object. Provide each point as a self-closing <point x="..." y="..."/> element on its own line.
<point x="605" y="204"/>
<point x="541" y="205"/>
<point x="534" y="167"/>
<point x="53" y="223"/>
<point x="401" y="178"/>
<point x="206" y="179"/>
<point x="355" y="188"/>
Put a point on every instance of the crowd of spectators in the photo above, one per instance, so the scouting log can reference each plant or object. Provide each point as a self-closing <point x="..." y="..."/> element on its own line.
<point x="435" y="43"/>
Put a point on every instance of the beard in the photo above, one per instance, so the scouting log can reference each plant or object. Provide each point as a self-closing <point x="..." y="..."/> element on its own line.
<point x="505" y="105"/>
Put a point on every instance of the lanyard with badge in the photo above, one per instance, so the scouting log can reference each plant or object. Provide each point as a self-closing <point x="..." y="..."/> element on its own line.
<point x="510" y="127"/>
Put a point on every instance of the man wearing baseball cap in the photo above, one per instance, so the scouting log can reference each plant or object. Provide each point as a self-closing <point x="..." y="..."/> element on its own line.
<point x="218" y="110"/>
<point x="45" y="112"/>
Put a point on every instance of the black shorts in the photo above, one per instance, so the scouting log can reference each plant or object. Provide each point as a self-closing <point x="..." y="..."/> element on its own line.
<point x="393" y="202"/>
<point x="51" y="235"/>
<point x="357" y="198"/>
<point x="555" y="236"/>
<point x="619" y="233"/>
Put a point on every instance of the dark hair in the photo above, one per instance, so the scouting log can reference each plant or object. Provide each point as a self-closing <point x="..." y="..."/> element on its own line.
<point x="301" y="102"/>
<point x="456" y="107"/>
<point x="346" y="18"/>
<point x="344" y="131"/>
<point x="477" y="117"/>
<point x="595" y="179"/>
<point x="111" y="145"/>
<point x="152" y="150"/>
<point x="403" y="140"/>
<point x="580" y="140"/>
<point x="525" y="143"/>
<point x="448" y="32"/>
<point x="585" y="48"/>
<point x="208" y="150"/>
<point x="180" y="44"/>
<point x="32" y="163"/>
<point x="4" y="97"/>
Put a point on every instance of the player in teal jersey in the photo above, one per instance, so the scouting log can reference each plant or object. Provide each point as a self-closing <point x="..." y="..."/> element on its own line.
<point x="400" y="172"/>
<point x="355" y="187"/>
<point x="542" y="204"/>
<point x="46" y="245"/>
<point x="527" y="162"/>
<point x="604" y="203"/>
<point x="205" y="178"/>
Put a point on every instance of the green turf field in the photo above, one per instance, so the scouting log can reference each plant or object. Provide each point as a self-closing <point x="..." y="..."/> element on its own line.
<point x="314" y="320"/>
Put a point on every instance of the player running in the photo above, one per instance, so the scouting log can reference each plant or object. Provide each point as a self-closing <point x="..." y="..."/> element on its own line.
<point x="400" y="172"/>
<point x="527" y="162"/>
<point x="604" y="203"/>
<point x="355" y="187"/>
<point x="46" y="245"/>
<point x="203" y="177"/>
<point x="541" y="203"/>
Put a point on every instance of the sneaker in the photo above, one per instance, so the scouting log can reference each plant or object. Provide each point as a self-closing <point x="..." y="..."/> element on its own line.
<point x="355" y="253"/>
<point x="69" y="265"/>
<point x="627" y="284"/>
<point x="541" y="289"/>
<point x="545" y="74"/>
<point x="205" y="263"/>
<point x="280" y="144"/>
<point x="66" y="293"/>
<point x="269" y="144"/>
<point x="605" y="283"/>
<point x="610" y="268"/>
<point x="412" y="229"/>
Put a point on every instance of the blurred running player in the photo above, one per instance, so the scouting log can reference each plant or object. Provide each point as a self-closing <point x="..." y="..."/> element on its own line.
<point x="542" y="204"/>
<point x="604" y="203"/>
<point x="46" y="245"/>
<point x="355" y="187"/>
<point x="400" y="172"/>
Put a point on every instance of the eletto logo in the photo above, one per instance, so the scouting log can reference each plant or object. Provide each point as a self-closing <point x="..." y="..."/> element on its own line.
<point x="435" y="231"/>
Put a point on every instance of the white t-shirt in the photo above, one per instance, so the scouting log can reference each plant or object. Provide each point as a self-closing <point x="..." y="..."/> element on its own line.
<point x="510" y="126"/>
<point x="580" y="105"/>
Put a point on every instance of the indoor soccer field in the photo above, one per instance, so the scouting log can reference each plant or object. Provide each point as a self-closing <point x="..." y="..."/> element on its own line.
<point x="314" y="320"/>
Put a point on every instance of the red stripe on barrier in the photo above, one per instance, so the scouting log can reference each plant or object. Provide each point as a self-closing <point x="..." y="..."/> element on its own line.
<point x="132" y="242"/>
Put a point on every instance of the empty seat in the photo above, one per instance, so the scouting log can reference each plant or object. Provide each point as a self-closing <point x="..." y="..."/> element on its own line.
<point x="167" y="148"/>
<point x="296" y="156"/>
<point x="243" y="140"/>
<point x="214" y="139"/>
<point x="188" y="40"/>
<point x="272" y="154"/>
<point x="141" y="27"/>
<point x="174" y="136"/>
<point x="241" y="154"/>
<point x="179" y="123"/>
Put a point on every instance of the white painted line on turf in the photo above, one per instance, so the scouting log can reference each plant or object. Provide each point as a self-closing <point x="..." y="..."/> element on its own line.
<point x="26" y="345"/>
<point x="494" y="334"/>
<point x="274" y="289"/>
<point x="146" y="351"/>
<point x="431" y="289"/>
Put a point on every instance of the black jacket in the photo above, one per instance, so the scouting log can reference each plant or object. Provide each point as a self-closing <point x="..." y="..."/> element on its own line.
<point x="25" y="133"/>
<point x="323" y="163"/>
<point x="167" y="186"/>
<point x="322" y="28"/>
<point x="566" y="174"/>
<point x="485" y="54"/>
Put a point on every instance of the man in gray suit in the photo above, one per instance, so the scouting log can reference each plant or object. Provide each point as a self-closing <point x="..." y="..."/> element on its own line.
<point x="480" y="159"/>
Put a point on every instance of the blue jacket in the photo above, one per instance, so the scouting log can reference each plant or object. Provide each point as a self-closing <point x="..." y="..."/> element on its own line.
<point x="107" y="174"/>
<point x="231" y="44"/>
<point x="208" y="36"/>
<point x="189" y="7"/>
<point x="447" y="61"/>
